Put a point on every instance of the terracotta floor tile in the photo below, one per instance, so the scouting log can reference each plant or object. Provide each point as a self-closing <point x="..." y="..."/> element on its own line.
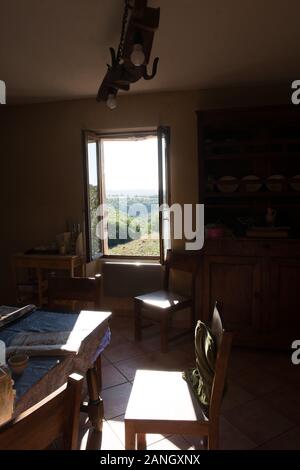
<point x="118" y="427"/>
<point x="230" y="438"/>
<point x="240" y="360"/>
<point x="171" y="443"/>
<point x="115" y="400"/>
<point x="175" y="360"/>
<point x="258" y="421"/>
<point x="289" y="440"/>
<point x="286" y="400"/>
<point x="111" y="376"/>
<point x="94" y="441"/>
<point x="129" y="366"/>
<point x="124" y="350"/>
<point x="258" y="381"/>
<point x="234" y="396"/>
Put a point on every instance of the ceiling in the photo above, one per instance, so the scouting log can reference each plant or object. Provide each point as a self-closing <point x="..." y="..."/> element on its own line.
<point x="58" y="49"/>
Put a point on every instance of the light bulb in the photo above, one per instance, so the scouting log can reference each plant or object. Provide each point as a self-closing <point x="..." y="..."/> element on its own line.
<point x="137" y="56"/>
<point x="111" y="101"/>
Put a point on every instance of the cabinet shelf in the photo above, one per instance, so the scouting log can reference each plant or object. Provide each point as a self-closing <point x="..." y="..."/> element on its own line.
<point x="252" y="156"/>
<point x="251" y="195"/>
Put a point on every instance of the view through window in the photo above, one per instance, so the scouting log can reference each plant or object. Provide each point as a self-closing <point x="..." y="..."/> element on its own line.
<point x="124" y="179"/>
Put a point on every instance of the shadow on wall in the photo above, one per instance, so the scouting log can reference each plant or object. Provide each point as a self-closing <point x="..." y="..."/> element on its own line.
<point x="130" y="279"/>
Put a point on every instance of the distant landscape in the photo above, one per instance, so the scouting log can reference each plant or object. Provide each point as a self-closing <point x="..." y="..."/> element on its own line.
<point x="119" y="222"/>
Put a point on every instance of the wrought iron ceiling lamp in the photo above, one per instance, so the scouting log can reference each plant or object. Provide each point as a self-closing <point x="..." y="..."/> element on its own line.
<point x="130" y="62"/>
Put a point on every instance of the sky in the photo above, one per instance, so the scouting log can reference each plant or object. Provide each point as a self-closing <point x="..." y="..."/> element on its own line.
<point x="128" y="165"/>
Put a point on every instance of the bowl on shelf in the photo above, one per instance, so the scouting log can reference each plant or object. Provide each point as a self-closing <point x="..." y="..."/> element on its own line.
<point x="275" y="183"/>
<point x="18" y="363"/>
<point x="251" y="183"/>
<point x="295" y="182"/>
<point x="227" y="184"/>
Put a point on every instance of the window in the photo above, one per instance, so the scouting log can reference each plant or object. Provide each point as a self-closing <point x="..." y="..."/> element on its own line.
<point x="126" y="182"/>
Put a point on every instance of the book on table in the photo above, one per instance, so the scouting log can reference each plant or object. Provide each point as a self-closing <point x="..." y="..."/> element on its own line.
<point x="9" y="313"/>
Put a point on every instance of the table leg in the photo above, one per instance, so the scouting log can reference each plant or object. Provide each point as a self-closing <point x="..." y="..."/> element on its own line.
<point x="72" y="269"/>
<point x="137" y="321"/>
<point x="141" y="441"/>
<point x="95" y="404"/>
<point x="130" y="436"/>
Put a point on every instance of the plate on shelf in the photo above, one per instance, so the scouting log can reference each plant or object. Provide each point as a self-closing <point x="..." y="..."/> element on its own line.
<point x="295" y="183"/>
<point x="275" y="183"/>
<point x="227" y="184"/>
<point x="251" y="183"/>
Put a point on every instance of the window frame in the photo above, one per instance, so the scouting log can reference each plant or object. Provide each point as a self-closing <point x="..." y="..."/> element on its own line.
<point x="89" y="136"/>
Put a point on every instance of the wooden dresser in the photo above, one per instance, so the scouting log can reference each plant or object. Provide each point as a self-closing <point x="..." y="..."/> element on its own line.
<point x="256" y="279"/>
<point x="257" y="283"/>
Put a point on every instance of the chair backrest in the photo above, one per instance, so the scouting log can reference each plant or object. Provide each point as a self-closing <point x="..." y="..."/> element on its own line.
<point x="224" y="340"/>
<point x="56" y="416"/>
<point x="80" y="289"/>
<point x="185" y="261"/>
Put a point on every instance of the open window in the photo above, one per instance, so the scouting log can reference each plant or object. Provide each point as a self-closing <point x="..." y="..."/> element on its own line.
<point x="127" y="194"/>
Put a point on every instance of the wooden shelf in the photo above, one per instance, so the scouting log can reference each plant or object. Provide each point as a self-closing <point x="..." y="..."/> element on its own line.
<point x="252" y="195"/>
<point x="246" y="205"/>
<point x="252" y="156"/>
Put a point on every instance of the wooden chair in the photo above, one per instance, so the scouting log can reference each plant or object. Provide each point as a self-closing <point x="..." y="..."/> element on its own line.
<point x="163" y="402"/>
<point x="74" y="289"/>
<point x="83" y="290"/>
<point x="163" y="303"/>
<point x="55" y="416"/>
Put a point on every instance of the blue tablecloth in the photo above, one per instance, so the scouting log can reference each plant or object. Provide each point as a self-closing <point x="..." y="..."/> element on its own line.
<point x="42" y="321"/>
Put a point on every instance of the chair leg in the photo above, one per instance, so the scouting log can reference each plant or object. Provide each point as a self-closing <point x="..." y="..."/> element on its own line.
<point x="99" y="371"/>
<point x="164" y="334"/>
<point x="204" y="442"/>
<point x="95" y="404"/>
<point x="137" y="321"/>
<point x="129" y="436"/>
<point x="141" y="441"/>
<point x="213" y="440"/>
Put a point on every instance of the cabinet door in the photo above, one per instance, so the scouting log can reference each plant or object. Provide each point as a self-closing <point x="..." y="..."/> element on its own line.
<point x="283" y="318"/>
<point x="236" y="283"/>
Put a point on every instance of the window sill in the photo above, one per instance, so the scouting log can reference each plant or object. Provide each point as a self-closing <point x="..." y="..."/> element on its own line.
<point x="131" y="262"/>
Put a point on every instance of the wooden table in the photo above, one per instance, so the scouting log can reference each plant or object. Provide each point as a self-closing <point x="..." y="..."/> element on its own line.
<point x="45" y="374"/>
<point x="69" y="263"/>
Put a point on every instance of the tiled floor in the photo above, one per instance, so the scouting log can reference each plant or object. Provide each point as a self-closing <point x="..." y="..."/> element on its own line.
<point x="261" y="409"/>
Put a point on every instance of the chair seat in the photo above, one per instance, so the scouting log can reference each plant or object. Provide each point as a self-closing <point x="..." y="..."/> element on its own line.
<point x="163" y="299"/>
<point x="163" y="396"/>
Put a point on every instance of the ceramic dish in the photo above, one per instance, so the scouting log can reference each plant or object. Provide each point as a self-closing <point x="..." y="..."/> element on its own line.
<point x="275" y="183"/>
<point x="18" y="363"/>
<point x="227" y="184"/>
<point x="295" y="183"/>
<point x="251" y="183"/>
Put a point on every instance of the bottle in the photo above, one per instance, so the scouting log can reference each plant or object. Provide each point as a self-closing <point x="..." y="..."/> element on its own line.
<point x="7" y="395"/>
<point x="73" y="239"/>
<point x="2" y="353"/>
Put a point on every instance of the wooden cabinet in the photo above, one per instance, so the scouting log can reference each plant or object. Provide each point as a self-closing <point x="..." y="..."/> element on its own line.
<point x="236" y="282"/>
<point x="284" y="275"/>
<point x="249" y="161"/>
<point x="259" y="294"/>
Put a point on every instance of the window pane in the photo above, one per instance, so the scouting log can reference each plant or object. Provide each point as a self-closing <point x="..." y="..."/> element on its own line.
<point x="130" y="188"/>
<point x="93" y="197"/>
